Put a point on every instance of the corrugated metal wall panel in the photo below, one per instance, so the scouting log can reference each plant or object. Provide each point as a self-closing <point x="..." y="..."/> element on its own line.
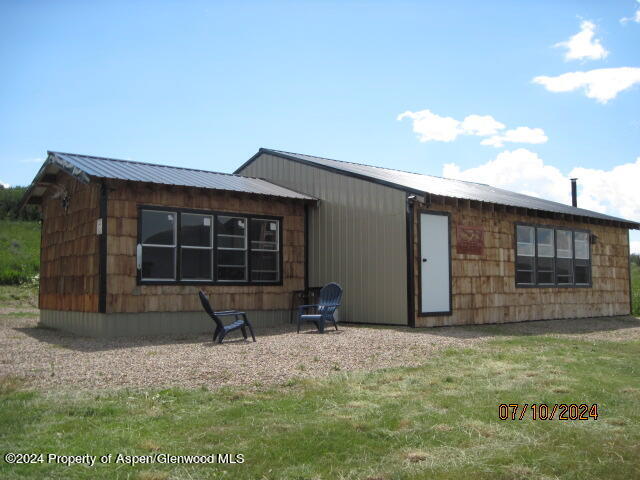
<point x="104" y="325"/>
<point x="356" y="238"/>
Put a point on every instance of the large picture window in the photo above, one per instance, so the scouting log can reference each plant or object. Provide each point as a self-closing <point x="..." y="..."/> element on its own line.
<point x="549" y="256"/>
<point x="179" y="246"/>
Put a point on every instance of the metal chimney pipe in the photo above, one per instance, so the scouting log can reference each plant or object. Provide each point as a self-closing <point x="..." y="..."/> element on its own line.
<point x="574" y="192"/>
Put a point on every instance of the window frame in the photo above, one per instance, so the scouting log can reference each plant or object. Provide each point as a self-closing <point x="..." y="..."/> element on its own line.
<point x="277" y="251"/>
<point x="245" y="249"/>
<point x="173" y="246"/>
<point x="182" y="247"/>
<point x="553" y="259"/>
<point x="178" y="247"/>
<point x="555" y="283"/>
<point x="534" y="256"/>
<point x="581" y="260"/>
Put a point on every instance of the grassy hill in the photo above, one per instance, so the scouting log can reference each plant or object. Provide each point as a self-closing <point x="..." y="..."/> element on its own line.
<point x="19" y="251"/>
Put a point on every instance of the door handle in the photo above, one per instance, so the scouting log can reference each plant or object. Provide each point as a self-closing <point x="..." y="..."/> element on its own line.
<point x="424" y="260"/>
<point x="139" y="257"/>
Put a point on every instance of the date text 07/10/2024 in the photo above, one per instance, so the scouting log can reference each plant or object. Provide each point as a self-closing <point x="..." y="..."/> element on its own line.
<point x="543" y="411"/>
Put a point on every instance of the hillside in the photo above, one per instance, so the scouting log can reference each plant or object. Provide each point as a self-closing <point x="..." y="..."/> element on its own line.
<point x="19" y="251"/>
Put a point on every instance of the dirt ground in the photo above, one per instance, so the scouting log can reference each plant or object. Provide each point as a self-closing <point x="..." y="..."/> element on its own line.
<point x="49" y="359"/>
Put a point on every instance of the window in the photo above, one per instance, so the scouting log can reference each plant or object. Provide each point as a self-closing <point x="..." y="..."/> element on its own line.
<point x="264" y="250"/>
<point x="564" y="257"/>
<point x="205" y="247"/>
<point x="545" y="264"/>
<point x="582" y="267"/>
<point x="158" y="240"/>
<point x="196" y="245"/>
<point x="525" y="255"/>
<point x="548" y="256"/>
<point x="232" y="248"/>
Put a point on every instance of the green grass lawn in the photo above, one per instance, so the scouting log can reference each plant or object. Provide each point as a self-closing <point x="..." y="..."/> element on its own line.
<point x="436" y="421"/>
<point x="19" y="251"/>
<point x="23" y="297"/>
<point x="635" y="288"/>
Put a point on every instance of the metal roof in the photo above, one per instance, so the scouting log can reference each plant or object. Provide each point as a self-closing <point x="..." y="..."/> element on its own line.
<point x="427" y="184"/>
<point x="85" y="167"/>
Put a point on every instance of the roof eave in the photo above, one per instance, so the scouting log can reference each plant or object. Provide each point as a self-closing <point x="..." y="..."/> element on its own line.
<point x="39" y="179"/>
<point x="307" y="198"/>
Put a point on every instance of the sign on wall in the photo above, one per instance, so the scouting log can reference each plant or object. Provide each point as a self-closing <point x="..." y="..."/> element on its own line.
<point x="470" y="240"/>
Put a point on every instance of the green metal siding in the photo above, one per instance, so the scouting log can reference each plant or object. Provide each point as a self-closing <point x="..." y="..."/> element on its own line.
<point x="357" y="237"/>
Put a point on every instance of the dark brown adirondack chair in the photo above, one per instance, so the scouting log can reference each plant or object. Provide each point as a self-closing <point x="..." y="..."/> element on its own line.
<point x="241" y="322"/>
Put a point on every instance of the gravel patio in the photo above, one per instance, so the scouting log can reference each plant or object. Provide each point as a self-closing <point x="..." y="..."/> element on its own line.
<point x="49" y="359"/>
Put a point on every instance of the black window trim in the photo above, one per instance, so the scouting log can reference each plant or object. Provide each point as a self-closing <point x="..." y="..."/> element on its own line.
<point x="214" y="214"/>
<point x="555" y="228"/>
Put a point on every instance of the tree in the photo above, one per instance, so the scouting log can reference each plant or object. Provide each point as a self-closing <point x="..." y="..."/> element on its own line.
<point x="10" y="200"/>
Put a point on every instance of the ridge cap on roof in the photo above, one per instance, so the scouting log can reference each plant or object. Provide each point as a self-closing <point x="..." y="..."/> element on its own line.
<point x="109" y="159"/>
<point x="376" y="166"/>
<point x="578" y="211"/>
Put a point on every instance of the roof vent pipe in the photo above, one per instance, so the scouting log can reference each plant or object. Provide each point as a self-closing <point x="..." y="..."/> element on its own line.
<point x="574" y="192"/>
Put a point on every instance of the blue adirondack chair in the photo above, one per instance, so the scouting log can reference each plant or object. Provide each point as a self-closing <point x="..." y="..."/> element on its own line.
<point x="221" y="331"/>
<point x="328" y="302"/>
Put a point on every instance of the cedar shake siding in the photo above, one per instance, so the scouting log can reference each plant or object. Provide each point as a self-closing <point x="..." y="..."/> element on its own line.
<point x="125" y="295"/>
<point x="483" y="286"/>
<point x="69" y="259"/>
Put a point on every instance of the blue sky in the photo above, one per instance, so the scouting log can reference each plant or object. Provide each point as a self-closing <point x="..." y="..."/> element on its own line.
<point x="205" y="84"/>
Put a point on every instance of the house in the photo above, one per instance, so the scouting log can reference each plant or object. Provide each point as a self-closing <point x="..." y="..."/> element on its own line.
<point x="425" y="251"/>
<point x="126" y="246"/>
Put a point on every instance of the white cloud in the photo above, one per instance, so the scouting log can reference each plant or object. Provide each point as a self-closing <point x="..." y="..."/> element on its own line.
<point x="4" y="185"/>
<point x="635" y="18"/>
<point x="603" y="84"/>
<point x="517" y="135"/>
<point x="583" y="45"/>
<point x="31" y="160"/>
<point x="616" y="189"/>
<point x="520" y="170"/>
<point x="635" y="247"/>
<point x="481" y="125"/>
<point x="614" y="192"/>
<point x="430" y="126"/>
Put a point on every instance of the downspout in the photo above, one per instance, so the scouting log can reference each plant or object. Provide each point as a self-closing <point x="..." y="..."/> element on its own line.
<point x="102" y="248"/>
<point x="629" y="258"/>
<point x="411" y="309"/>
<point x="306" y="248"/>
<point x="40" y="278"/>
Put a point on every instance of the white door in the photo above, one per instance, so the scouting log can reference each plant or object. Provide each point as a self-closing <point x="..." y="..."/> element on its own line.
<point x="434" y="260"/>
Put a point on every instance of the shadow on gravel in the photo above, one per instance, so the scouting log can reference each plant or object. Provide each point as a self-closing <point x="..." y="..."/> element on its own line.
<point x="63" y="340"/>
<point x="70" y="341"/>
<point x="570" y="326"/>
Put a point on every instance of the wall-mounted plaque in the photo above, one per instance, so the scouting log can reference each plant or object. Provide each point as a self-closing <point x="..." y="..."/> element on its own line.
<point x="470" y="240"/>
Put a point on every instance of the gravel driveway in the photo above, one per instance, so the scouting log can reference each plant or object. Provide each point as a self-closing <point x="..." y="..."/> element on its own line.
<point x="48" y="359"/>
